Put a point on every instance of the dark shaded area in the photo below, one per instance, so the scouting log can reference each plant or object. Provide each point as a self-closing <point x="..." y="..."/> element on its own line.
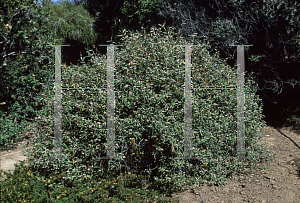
<point x="283" y="110"/>
<point x="71" y="54"/>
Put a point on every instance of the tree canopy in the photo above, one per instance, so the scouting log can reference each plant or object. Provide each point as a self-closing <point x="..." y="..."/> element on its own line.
<point x="72" y="21"/>
<point x="272" y="27"/>
<point x="111" y="16"/>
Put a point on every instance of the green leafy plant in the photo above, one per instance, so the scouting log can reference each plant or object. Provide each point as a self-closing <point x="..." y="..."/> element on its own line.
<point x="10" y="133"/>
<point x="149" y="98"/>
<point x="24" y="185"/>
<point x="23" y="60"/>
<point x="71" y="21"/>
<point x="294" y="119"/>
<point x="254" y="58"/>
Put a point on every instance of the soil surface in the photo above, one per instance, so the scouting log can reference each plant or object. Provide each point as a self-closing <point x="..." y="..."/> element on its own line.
<point x="9" y="158"/>
<point x="274" y="180"/>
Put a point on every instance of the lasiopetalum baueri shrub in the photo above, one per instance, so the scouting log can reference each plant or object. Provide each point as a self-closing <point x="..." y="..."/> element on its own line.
<point x="149" y="109"/>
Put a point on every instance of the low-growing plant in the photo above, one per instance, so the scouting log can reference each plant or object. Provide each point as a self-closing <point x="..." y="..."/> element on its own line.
<point x="23" y="185"/>
<point x="11" y="132"/>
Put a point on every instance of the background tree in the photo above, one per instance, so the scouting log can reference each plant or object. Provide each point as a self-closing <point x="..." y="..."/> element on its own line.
<point x="74" y="2"/>
<point x="272" y="27"/>
<point x="46" y="3"/>
<point x="23" y="57"/>
<point x="112" y="16"/>
<point x="70" y="21"/>
<point x="73" y="25"/>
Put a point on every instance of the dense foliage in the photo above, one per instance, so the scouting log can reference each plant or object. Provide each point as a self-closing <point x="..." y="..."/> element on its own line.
<point x="24" y="60"/>
<point x="149" y="116"/>
<point x="272" y="27"/>
<point x="149" y="81"/>
<point x="70" y="21"/>
<point x="25" y="185"/>
<point x="112" y="16"/>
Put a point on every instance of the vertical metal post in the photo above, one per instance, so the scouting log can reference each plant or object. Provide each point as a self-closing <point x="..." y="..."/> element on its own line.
<point x="240" y="102"/>
<point x="110" y="103"/>
<point x="57" y="104"/>
<point x="187" y="105"/>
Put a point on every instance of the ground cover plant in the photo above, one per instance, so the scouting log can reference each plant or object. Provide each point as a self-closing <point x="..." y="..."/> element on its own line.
<point x="149" y="117"/>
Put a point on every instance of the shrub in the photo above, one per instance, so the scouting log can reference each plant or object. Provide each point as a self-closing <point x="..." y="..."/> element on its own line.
<point x="10" y="132"/>
<point x="26" y="54"/>
<point x="24" y="185"/>
<point x="149" y="109"/>
<point x="26" y="69"/>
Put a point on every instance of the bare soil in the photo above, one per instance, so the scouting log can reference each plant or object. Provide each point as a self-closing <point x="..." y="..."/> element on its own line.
<point x="274" y="180"/>
<point x="9" y="158"/>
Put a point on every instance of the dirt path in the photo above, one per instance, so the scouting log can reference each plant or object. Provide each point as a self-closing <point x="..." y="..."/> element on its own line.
<point x="276" y="180"/>
<point x="9" y="158"/>
<point x="279" y="182"/>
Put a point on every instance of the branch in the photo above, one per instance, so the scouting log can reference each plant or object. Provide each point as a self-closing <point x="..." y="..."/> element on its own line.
<point x="16" y="54"/>
<point x="275" y="83"/>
